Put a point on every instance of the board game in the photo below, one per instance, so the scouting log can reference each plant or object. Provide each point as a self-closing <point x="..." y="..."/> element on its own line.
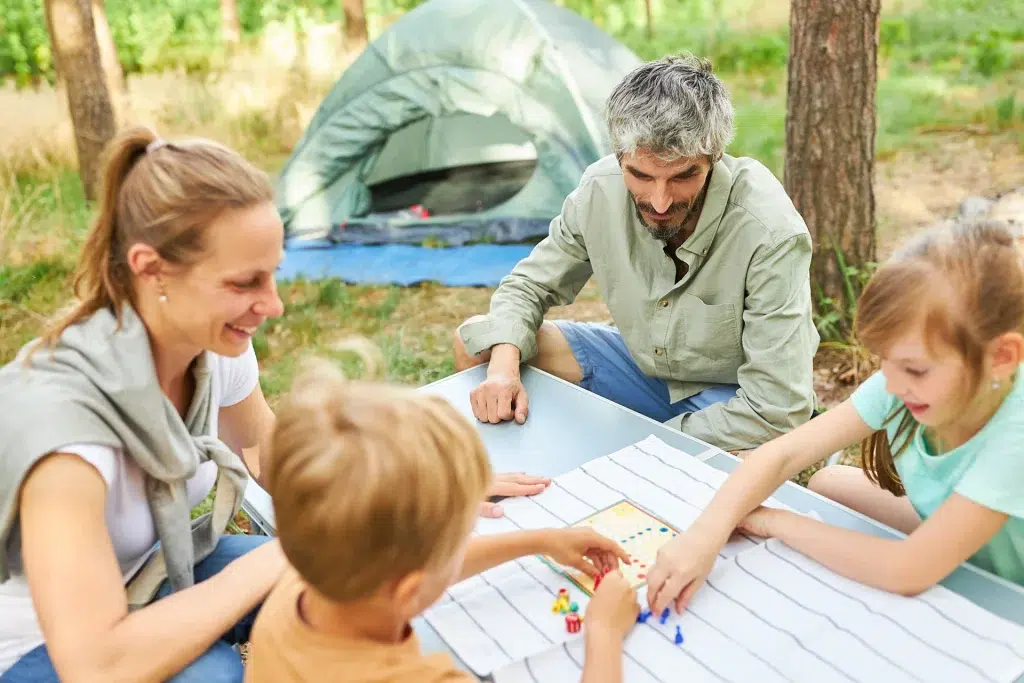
<point x="639" y="533"/>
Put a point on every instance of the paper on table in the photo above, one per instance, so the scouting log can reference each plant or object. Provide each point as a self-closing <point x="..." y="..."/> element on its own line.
<point x="771" y="614"/>
<point x="766" y="612"/>
<point x="505" y="613"/>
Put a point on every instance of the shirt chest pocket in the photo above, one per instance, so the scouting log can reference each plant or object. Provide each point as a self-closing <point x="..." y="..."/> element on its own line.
<point x="704" y="340"/>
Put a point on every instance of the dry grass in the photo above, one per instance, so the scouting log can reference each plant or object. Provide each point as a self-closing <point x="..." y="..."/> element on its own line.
<point x="259" y="104"/>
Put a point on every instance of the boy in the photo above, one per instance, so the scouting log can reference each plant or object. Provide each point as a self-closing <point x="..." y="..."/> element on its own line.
<point x="376" y="489"/>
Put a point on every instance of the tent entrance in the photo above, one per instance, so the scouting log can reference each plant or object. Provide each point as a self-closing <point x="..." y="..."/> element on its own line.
<point x="463" y="189"/>
<point x="463" y="163"/>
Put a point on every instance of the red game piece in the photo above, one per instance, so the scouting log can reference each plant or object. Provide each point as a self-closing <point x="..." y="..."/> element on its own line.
<point x="572" y="623"/>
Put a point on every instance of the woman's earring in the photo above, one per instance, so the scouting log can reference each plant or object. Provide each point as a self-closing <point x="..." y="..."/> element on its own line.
<point x="996" y="383"/>
<point x="163" y="298"/>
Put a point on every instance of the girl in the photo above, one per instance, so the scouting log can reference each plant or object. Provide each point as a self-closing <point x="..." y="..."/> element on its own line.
<point x="134" y="404"/>
<point x="941" y="425"/>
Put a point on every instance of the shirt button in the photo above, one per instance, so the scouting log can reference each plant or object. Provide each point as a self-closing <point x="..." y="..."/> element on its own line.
<point x="663" y="303"/>
<point x="658" y="351"/>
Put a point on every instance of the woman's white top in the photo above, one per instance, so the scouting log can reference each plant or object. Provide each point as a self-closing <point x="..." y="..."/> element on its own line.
<point x="129" y="520"/>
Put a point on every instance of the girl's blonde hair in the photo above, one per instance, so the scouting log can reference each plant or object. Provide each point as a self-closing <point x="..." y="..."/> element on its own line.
<point x="159" y="193"/>
<point x="965" y="283"/>
<point x="371" y="482"/>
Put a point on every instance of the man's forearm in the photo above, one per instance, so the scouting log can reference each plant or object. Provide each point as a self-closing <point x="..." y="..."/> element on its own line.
<point x="732" y="425"/>
<point x="505" y="359"/>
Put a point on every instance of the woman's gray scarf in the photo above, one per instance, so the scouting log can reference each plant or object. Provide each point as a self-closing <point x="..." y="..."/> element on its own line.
<point x="98" y="385"/>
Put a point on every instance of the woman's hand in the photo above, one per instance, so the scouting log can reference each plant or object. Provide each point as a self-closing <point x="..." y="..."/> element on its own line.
<point x="511" y="484"/>
<point x="585" y="550"/>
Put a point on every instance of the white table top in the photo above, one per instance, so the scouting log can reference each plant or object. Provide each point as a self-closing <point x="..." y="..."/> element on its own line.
<point x="569" y="426"/>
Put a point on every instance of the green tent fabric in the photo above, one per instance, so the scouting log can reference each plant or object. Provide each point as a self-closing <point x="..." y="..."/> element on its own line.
<point x="486" y="112"/>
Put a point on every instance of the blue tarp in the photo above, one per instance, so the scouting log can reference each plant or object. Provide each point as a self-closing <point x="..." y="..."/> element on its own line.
<point x="478" y="265"/>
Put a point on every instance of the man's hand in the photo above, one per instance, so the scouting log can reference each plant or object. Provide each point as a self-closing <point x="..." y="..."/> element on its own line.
<point x="500" y="397"/>
<point x="511" y="484"/>
<point x="585" y="550"/>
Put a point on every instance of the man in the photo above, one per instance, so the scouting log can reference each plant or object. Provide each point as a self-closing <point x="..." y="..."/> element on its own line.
<point x="702" y="260"/>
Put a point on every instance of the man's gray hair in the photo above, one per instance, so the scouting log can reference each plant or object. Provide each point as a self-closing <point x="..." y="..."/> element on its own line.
<point x="675" y="107"/>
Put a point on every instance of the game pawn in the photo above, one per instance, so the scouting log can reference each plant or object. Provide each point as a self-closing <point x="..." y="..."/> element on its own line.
<point x="573" y="622"/>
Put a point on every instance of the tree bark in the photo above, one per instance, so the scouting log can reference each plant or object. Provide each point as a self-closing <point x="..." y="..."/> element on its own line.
<point x="830" y="135"/>
<point x="74" y="43"/>
<point x="108" y="58"/>
<point x="356" y="33"/>
<point x="231" y="28"/>
<point x="649" y="18"/>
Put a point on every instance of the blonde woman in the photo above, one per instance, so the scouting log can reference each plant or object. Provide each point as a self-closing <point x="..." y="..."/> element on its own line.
<point x="125" y="415"/>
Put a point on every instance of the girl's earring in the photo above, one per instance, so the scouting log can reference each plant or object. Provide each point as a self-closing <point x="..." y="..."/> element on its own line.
<point x="996" y="383"/>
<point x="163" y="298"/>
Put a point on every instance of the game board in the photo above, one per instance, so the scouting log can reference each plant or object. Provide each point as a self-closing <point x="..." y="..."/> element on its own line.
<point x="639" y="533"/>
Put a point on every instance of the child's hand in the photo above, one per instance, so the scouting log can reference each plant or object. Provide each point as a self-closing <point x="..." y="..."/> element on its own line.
<point x="586" y="550"/>
<point x="613" y="608"/>
<point x="759" y="522"/>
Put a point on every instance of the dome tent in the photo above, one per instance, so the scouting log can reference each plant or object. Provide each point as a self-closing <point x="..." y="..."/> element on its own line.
<point x="485" y="112"/>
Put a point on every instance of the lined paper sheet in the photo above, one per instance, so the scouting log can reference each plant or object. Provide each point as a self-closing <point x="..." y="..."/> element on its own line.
<point x="771" y="614"/>
<point x="504" y="614"/>
<point x="766" y="613"/>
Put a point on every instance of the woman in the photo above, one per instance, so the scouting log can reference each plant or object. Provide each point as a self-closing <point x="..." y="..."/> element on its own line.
<point x="124" y="416"/>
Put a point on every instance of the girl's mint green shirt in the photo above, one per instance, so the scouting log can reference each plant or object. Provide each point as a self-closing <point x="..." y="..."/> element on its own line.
<point x="988" y="469"/>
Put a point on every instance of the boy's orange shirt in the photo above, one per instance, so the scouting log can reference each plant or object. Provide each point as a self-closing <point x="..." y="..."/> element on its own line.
<point x="284" y="649"/>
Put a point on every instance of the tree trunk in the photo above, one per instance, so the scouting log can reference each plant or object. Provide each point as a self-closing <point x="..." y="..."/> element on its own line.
<point x="108" y="58"/>
<point x="92" y="115"/>
<point x="649" y="18"/>
<point x="830" y="137"/>
<point x="231" y="29"/>
<point x="356" y="33"/>
<point x="57" y="68"/>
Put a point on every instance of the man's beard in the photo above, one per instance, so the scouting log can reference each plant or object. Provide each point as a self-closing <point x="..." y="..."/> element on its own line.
<point x="668" y="228"/>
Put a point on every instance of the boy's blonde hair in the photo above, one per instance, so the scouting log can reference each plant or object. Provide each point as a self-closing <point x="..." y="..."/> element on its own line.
<point x="371" y="482"/>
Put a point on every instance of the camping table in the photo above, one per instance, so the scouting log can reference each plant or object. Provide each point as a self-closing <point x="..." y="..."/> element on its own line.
<point x="568" y="426"/>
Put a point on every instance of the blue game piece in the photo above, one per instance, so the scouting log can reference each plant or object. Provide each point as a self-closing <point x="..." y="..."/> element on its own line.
<point x="679" y="636"/>
<point x="643" y="616"/>
<point x="664" y="616"/>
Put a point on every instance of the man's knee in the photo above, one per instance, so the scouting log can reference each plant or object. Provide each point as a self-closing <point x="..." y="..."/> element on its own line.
<point x="463" y="359"/>
<point x="554" y="354"/>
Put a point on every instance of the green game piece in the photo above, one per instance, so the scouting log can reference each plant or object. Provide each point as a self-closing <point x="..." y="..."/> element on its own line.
<point x="563" y="610"/>
<point x="574" y="607"/>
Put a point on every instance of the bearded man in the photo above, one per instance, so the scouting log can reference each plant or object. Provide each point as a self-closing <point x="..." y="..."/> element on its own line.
<point x="701" y="258"/>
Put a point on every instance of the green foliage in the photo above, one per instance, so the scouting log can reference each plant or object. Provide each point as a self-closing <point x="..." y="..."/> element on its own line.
<point x="24" y="42"/>
<point x="971" y="38"/>
<point x="834" y="317"/>
<point x="18" y="282"/>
